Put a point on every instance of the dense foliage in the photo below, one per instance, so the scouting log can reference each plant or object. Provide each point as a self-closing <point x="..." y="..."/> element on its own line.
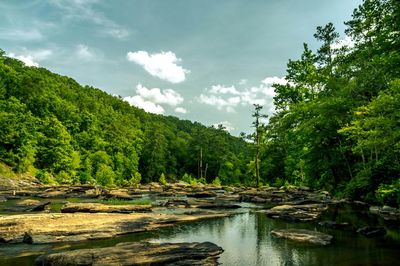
<point x="337" y="120"/>
<point x="65" y="133"/>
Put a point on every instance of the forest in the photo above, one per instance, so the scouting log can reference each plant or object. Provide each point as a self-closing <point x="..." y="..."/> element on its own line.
<point x="336" y="125"/>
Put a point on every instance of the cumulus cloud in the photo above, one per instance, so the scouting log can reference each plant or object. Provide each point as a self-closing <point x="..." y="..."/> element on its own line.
<point x="180" y="110"/>
<point x="220" y="103"/>
<point x="346" y="42"/>
<point x="163" y="65"/>
<point x="150" y="99"/>
<point x="86" y="53"/>
<point x="32" y="58"/>
<point x="145" y="105"/>
<point x="167" y="96"/>
<point x="226" y="125"/>
<point x="227" y="98"/>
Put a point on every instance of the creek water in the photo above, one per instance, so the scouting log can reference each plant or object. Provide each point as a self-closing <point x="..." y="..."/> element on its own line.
<point x="246" y="240"/>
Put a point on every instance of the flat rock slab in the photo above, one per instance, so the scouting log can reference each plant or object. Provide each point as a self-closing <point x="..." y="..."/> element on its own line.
<point x="60" y="227"/>
<point x="98" y="207"/>
<point x="144" y="253"/>
<point x="297" y="213"/>
<point x="303" y="235"/>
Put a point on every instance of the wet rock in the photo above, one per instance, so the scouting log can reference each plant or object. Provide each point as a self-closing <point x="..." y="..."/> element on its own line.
<point x="297" y="213"/>
<point x="370" y="231"/>
<point x="337" y="226"/>
<point x="303" y="235"/>
<point x="176" y="203"/>
<point x="386" y="212"/>
<point x="62" y="227"/>
<point x="29" y="206"/>
<point x="202" y="194"/>
<point x="98" y="207"/>
<point x="219" y="206"/>
<point x="118" y="194"/>
<point x="145" y="253"/>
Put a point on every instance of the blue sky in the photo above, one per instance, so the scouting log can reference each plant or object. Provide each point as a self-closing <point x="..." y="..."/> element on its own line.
<point x="202" y="60"/>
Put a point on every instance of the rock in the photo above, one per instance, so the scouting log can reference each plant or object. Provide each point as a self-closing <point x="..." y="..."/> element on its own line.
<point x="62" y="227"/>
<point x="29" y="206"/>
<point x="176" y="203"/>
<point x="119" y="194"/>
<point x="219" y="206"/>
<point x="303" y="235"/>
<point x="202" y="194"/>
<point x="297" y="213"/>
<point x="370" y="231"/>
<point x="145" y="253"/>
<point x="386" y="212"/>
<point x="337" y="226"/>
<point x="3" y="199"/>
<point x="98" y="207"/>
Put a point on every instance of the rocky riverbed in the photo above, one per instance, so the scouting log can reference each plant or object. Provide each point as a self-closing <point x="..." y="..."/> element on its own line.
<point x="65" y="214"/>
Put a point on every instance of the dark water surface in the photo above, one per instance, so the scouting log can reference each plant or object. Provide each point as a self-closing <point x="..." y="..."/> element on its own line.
<point x="246" y="240"/>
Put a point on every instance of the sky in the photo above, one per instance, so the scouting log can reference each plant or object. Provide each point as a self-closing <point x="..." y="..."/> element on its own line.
<point x="203" y="60"/>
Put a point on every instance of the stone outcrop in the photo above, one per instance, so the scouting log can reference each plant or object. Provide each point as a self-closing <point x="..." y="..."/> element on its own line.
<point x="303" y="235"/>
<point x="144" y="253"/>
<point x="297" y="213"/>
<point x="98" y="207"/>
<point x="386" y="212"/>
<point x="29" y="206"/>
<point x="60" y="227"/>
<point x="372" y="231"/>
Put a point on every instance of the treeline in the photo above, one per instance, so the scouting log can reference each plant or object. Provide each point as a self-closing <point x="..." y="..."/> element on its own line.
<point x="337" y="120"/>
<point x="62" y="132"/>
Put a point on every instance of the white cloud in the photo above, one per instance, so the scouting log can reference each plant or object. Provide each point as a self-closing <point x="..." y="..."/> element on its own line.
<point x="163" y="65"/>
<point x="226" y="124"/>
<point x="145" y="105"/>
<point x="219" y="89"/>
<point x="32" y="58"/>
<point x="27" y="59"/>
<point x="150" y="99"/>
<point x="346" y="42"/>
<point x="20" y="35"/>
<point x="83" y="10"/>
<point x="180" y="110"/>
<point x="227" y="98"/>
<point x="220" y="103"/>
<point x="168" y="96"/>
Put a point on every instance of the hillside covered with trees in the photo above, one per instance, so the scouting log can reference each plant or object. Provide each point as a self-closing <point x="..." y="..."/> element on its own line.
<point x="63" y="132"/>
<point x="336" y="124"/>
<point x="337" y="121"/>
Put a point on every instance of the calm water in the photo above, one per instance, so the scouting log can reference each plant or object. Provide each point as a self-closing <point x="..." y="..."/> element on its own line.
<point x="246" y="240"/>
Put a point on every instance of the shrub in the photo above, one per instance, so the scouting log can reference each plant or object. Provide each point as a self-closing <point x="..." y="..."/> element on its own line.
<point x="105" y="175"/>
<point x="389" y="194"/>
<point x="162" y="180"/>
<point x="216" y="181"/>
<point x="135" y="179"/>
<point x="45" y="177"/>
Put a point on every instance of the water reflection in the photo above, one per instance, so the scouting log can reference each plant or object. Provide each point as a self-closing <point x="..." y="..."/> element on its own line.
<point x="246" y="240"/>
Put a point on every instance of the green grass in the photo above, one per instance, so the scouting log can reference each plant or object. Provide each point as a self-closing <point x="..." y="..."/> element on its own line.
<point x="126" y="202"/>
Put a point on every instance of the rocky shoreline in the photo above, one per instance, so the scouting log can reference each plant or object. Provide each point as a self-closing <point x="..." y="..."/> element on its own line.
<point x="102" y="213"/>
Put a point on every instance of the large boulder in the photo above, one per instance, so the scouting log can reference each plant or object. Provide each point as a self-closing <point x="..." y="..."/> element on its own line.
<point x="297" y="213"/>
<point x="372" y="231"/>
<point x="98" y="207"/>
<point x="205" y="253"/>
<point x="62" y="227"/>
<point x="303" y="235"/>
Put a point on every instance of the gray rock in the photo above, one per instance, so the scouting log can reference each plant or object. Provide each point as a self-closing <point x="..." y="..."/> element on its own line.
<point x="303" y="235"/>
<point x="205" y="253"/>
<point x="297" y="213"/>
